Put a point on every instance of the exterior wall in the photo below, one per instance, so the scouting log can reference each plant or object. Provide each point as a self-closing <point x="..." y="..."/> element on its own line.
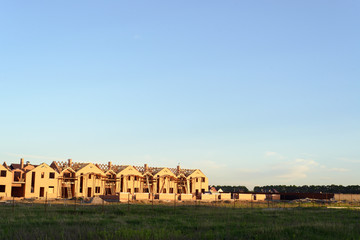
<point x="125" y="196"/>
<point x="166" y="196"/>
<point x="186" y="197"/>
<point x="165" y="182"/>
<point x="6" y="181"/>
<point x="275" y="197"/>
<point x="198" y="182"/>
<point x="245" y="197"/>
<point x="92" y="181"/>
<point x="131" y="181"/>
<point x="225" y="196"/>
<point x="260" y="197"/>
<point x="209" y="197"/>
<point x="43" y="184"/>
<point x="347" y="197"/>
<point x="252" y="196"/>
<point x="141" y="196"/>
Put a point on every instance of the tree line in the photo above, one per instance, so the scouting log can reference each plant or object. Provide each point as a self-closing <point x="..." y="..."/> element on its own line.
<point x="231" y="188"/>
<point x="353" y="189"/>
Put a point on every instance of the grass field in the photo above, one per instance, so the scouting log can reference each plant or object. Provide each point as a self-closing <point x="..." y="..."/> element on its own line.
<point x="144" y="221"/>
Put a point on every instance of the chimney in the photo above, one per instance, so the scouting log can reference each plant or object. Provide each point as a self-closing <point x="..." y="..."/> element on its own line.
<point x="178" y="169"/>
<point x="69" y="162"/>
<point x="21" y="163"/>
<point x="146" y="167"/>
<point x="109" y="165"/>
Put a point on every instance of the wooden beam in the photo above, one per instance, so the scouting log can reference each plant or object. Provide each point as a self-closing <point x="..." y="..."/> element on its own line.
<point x="162" y="185"/>
<point x="148" y="185"/>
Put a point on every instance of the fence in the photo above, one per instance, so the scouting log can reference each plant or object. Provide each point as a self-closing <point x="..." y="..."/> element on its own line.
<point x="76" y="204"/>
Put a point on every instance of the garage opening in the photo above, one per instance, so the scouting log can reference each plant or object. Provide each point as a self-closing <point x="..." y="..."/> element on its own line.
<point x="18" y="191"/>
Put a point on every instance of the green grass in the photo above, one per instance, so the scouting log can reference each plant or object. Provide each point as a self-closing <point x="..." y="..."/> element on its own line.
<point x="143" y="221"/>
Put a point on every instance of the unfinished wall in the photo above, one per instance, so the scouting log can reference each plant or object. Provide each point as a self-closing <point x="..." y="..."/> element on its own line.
<point x="185" y="197"/>
<point x="129" y="181"/>
<point x="252" y="196"/>
<point x="125" y="196"/>
<point x="347" y="197"/>
<point x="209" y="197"/>
<point x="166" y="196"/>
<point x="245" y="197"/>
<point x="166" y="182"/>
<point x="5" y="182"/>
<point x="141" y="196"/>
<point x="198" y="183"/>
<point x="92" y="184"/>
<point x="41" y="182"/>
<point x="225" y="196"/>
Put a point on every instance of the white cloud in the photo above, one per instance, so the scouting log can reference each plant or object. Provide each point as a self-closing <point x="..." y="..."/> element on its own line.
<point x="349" y="160"/>
<point x="274" y="155"/>
<point x="339" y="169"/>
<point x="297" y="169"/>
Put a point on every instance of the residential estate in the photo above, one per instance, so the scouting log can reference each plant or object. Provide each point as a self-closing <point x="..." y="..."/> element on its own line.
<point x="72" y="179"/>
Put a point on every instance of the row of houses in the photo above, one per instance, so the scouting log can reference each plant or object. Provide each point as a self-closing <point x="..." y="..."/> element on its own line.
<point x="72" y="179"/>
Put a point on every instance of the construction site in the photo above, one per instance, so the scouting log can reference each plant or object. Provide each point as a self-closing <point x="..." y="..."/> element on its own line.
<point x="67" y="180"/>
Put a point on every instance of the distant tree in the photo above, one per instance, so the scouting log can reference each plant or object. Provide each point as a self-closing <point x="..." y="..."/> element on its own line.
<point x="231" y="189"/>
<point x="353" y="189"/>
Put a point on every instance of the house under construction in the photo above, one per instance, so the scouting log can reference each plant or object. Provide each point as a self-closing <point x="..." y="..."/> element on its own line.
<point x="72" y="179"/>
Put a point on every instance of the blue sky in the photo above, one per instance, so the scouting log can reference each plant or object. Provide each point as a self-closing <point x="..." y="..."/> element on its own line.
<point x="252" y="93"/>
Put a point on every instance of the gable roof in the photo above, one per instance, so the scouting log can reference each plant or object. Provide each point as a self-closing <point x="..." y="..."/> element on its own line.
<point x="6" y="166"/>
<point x="76" y="166"/>
<point x="164" y="172"/>
<point x="185" y="172"/>
<point x="42" y="164"/>
<point x="195" y="171"/>
<point x="129" y="168"/>
<point x="88" y="168"/>
<point x="60" y="166"/>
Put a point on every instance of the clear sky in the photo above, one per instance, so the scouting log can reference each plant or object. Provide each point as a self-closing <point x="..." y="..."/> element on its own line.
<point x="250" y="92"/>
